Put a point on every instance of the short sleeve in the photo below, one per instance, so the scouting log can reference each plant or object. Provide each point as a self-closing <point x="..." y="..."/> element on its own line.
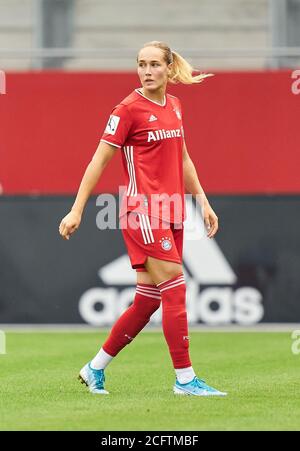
<point x="180" y="109"/>
<point x="180" y="116"/>
<point x="118" y="126"/>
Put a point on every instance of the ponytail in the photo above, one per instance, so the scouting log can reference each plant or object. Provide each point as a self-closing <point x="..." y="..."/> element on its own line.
<point x="181" y="70"/>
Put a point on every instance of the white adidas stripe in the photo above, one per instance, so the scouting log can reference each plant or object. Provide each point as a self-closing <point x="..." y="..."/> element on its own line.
<point x="142" y="226"/>
<point x="134" y="179"/>
<point x="146" y="229"/>
<point x="149" y="226"/>
<point x="142" y="230"/>
<point x="132" y="187"/>
<point x="129" y="172"/>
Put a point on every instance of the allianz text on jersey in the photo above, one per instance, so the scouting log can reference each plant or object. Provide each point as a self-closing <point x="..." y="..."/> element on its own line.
<point x="157" y="135"/>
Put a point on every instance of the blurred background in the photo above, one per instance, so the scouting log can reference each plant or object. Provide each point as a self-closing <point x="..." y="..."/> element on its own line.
<point x="96" y="34"/>
<point x="64" y="65"/>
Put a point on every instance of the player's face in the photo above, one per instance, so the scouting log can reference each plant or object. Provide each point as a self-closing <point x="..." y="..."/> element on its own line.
<point x="152" y="69"/>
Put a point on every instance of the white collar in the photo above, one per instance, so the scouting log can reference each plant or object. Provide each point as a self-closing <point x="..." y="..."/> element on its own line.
<point x="153" y="101"/>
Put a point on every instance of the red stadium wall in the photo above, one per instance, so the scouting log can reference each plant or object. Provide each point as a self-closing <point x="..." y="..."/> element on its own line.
<point x="242" y="130"/>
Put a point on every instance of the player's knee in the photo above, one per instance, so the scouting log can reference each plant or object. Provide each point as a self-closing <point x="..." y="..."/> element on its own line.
<point x="171" y="273"/>
<point x="173" y="292"/>
<point x="145" y="307"/>
<point x="162" y="270"/>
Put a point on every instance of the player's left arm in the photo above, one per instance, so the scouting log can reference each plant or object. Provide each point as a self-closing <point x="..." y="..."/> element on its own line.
<point x="193" y="186"/>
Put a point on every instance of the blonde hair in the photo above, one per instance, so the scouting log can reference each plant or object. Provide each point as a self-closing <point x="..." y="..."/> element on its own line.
<point x="181" y="71"/>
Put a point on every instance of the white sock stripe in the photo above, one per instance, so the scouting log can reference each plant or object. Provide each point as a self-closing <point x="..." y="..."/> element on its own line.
<point x="161" y="283"/>
<point x="165" y="281"/>
<point x="142" y="229"/>
<point x="149" y="226"/>
<point x="172" y="283"/>
<point x="181" y="277"/>
<point x="151" y="288"/>
<point x="146" y="286"/>
<point x="148" y="295"/>
<point x="173" y="286"/>
<point x="155" y="293"/>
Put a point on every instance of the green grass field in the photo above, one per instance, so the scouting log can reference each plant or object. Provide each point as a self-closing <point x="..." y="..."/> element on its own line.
<point x="39" y="389"/>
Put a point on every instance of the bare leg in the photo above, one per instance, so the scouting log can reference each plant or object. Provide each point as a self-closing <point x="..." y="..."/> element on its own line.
<point x="161" y="270"/>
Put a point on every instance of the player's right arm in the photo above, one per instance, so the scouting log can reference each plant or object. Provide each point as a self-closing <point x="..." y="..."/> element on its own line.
<point x="70" y="223"/>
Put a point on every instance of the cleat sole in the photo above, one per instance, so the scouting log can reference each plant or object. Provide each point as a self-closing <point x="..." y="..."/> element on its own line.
<point x="99" y="392"/>
<point x="82" y="381"/>
<point x="178" y="391"/>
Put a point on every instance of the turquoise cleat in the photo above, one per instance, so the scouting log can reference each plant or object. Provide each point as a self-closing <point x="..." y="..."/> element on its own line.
<point x="197" y="387"/>
<point x="93" y="379"/>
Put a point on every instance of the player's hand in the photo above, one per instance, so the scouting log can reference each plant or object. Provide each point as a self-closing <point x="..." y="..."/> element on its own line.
<point x="210" y="220"/>
<point x="69" y="224"/>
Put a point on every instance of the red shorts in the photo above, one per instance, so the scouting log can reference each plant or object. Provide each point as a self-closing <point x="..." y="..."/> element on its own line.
<point x="145" y="236"/>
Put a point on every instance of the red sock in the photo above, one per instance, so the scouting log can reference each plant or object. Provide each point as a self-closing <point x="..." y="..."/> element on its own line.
<point x="174" y="320"/>
<point x="134" y="319"/>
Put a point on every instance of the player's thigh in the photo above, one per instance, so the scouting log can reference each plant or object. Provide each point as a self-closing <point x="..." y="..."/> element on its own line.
<point x="162" y="270"/>
<point x="144" y="277"/>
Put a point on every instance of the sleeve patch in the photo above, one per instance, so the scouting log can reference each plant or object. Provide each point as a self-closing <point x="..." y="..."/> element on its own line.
<point x="112" y="124"/>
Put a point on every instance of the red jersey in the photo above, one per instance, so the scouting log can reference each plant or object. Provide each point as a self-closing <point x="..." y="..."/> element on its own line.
<point x="151" y="138"/>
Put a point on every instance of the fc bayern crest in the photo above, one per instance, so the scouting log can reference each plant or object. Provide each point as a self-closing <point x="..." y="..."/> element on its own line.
<point x="166" y="243"/>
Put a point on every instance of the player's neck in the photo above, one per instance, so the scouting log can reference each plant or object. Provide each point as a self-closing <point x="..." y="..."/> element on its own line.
<point x="157" y="96"/>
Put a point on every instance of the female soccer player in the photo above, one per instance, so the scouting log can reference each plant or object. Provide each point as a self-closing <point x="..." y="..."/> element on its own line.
<point x="147" y="127"/>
